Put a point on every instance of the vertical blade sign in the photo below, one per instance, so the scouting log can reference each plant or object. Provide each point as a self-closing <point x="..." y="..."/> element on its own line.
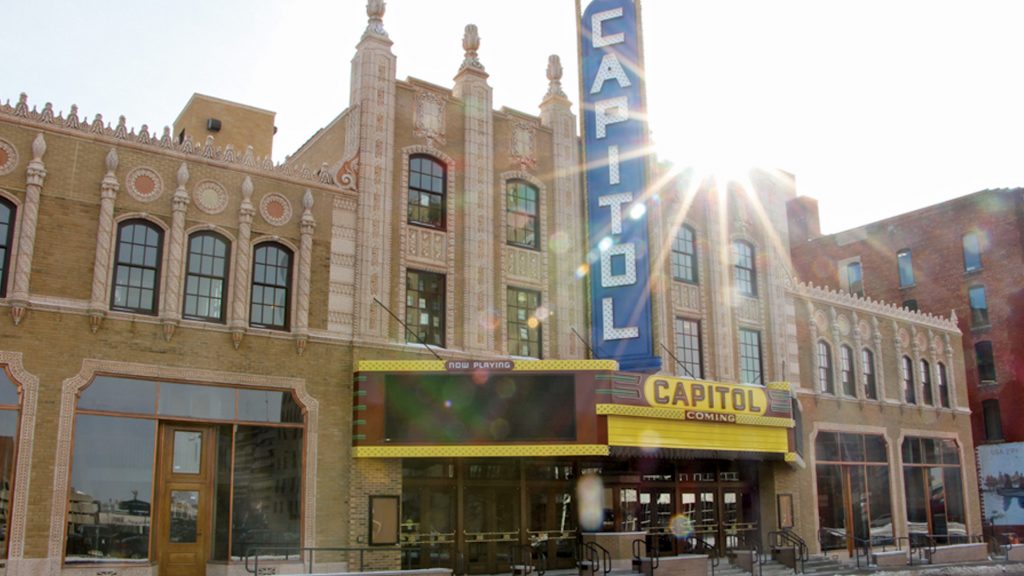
<point x="615" y="131"/>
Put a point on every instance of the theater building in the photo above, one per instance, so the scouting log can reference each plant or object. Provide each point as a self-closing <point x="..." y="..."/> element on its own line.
<point x="385" y="342"/>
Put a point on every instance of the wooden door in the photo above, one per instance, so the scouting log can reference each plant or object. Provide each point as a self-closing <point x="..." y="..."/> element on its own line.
<point x="184" y="494"/>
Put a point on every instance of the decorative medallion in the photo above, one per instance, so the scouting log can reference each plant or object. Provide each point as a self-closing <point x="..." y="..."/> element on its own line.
<point x="820" y="321"/>
<point x="428" y="117"/>
<point x="210" y="197"/>
<point x="922" y="342"/>
<point x="144" y="184"/>
<point x="523" y="145"/>
<point x="937" y="343"/>
<point x="843" y="323"/>
<point x="904" y="338"/>
<point x="865" y="330"/>
<point x="8" y="157"/>
<point x="275" y="209"/>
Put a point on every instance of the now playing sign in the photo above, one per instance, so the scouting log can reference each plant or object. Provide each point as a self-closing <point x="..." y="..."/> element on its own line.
<point x="615" y="139"/>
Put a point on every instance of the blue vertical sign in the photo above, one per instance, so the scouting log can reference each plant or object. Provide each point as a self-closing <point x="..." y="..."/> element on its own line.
<point x="615" y="132"/>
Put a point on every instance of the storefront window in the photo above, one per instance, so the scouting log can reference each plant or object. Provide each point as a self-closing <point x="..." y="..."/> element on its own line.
<point x="111" y="488"/>
<point x="934" y="489"/>
<point x="255" y="483"/>
<point x="853" y="490"/>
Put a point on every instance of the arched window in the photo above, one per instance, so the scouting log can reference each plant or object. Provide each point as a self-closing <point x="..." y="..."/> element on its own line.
<point x="826" y="383"/>
<point x="10" y="403"/>
<point x="7" y="213"/>
<point x="943" y="386"/>
<point x="206" y="277"/>
<point x="926" y="383"/>
<point x="846" y="371"/>
<point x="909" y="394"/>
<point x="271" y="286"/>
<point x="522" y="206"/>
<point x="684" y="255"/>
<point x="867" y="358"/>
<point x="427" y="191"/>
<point x="744" y="272"/>
<point x="137" y="267"/>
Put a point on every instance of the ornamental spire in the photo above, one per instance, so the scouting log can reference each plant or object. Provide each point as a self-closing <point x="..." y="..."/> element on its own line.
<point x="555" y="76"/>
<point x="471" y="43"/>
<point x="375" y="16"/>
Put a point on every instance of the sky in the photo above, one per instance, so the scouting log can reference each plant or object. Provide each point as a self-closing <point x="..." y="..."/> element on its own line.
<point x="878" y="107"/>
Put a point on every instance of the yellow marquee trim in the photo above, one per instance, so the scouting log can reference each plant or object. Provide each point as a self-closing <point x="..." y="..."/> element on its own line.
<point x="690" y="435"/>
<point x="517" y="365"/>
<point x="779" y="386"/>
<point x="508" y="450"/>
<point x="676" y="414"/>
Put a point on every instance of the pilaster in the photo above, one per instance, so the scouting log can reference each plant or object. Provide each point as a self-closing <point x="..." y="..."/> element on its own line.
<point x="567" y="288"/>
<point x="243" y="259"/>
<point x="175" y="256"/>
<point x="29" y="221"/>
<point x="104" y="241"/>
<point x="478" y="287"/>
<point x="307" y="225"/>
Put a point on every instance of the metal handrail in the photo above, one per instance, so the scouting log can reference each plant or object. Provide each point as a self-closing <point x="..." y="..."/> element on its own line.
<point x="637" y="559"/>
<point x="913" y="544"/>
<point x="789" y="537"/>
<point x="526" y="560"/>
<point x="759" y="561"/>
<point x="301" y="551"/>
<point x="699" y="544"/>
<point x="598" y="556"/>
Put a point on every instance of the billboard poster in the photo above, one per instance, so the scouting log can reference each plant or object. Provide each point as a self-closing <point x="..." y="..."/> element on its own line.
<point x="615" y="154"/>
<point x="1001" y="471"/>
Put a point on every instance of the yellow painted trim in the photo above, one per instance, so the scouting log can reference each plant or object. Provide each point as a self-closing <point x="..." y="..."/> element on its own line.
<point x="508" y="450"/>
<point x="779" y="386"/>
<point x="517" y="365"/>
<point x="792" y="456"/>
<point x="691" y="435"/>
<point x="677" y="414"/>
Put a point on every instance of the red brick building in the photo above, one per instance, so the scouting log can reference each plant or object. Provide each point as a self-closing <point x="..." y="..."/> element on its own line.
<point x="965" y="256"/>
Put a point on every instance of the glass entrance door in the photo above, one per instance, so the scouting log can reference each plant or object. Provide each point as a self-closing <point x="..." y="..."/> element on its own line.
<point x="184" y="499"/>
<point x="428" y="527"/>
<point x="656" y="508"/>
<point x="491" y="528"/>
<point x="725" y="518"/>
<point x="552" y="524"/>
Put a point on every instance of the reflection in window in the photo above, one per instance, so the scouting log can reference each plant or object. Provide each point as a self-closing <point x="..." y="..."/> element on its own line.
<point x="909" y="393"/>
<point x="985" y="362"/>
<point x="267" y="502"/>
<point x="688" y="349"/>
<point x="427" y="185"/>
<point x="852" y="475"/>
<point x="926" y="383"/>
<point x="523" y="324"/>
<point x="522" y="206"/>
<point x="111" y="488"/>
<point x="9" y="403"/>
<point x="137" y="267"/>
<point x="6" y="242"/>
<point x="271" y="285"/>
<point x="854" y="279"/>
<point x="751" y="370"/>
<point x="425" y="307"/>
<point x="207" y="277"/>
<point x="943" y="386"/>
<point x="979" y="306"/>
<point x="846" y="370"/>
<point x="867" y="358"/>
<point x="934" y="490"/>
<point x="905" y="264"/>
<point x="972" y="252"/>
<point x="826" y="383"/>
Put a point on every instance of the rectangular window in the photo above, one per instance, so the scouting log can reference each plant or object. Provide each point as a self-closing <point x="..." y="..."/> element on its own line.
<point x="926" y="382"/>
<point x="684" y="255"/>
<point x="972" y="252"/>
<point x="868" y="365"/>
<point x="846" y="371"/>
<point x="825" y="379"/>
<point x="751" y="370"/>
<point x="854" y="279"/>
<point x="688" y="350"/>
<point x="979" y="306"/>
<point x="909" y="393"/>
<point x="744" y="273"/>
<point x="993" y="420"/>
<point x="943" y="386"/>
<point x="523" y="209"/>
<point x="986" y="363"/>
<point x="906" y="268"/>
<point x="523" y="324"/>
<point x="425" y="307"/>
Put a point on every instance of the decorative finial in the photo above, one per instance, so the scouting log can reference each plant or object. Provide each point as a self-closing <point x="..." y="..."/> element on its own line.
<point x="182" y="175"/>
<point x="38" y="148"/>
<point x="247" y="189"/>
<point x="555" y="76"/>
<point x="112" y="161"/>
<point x="375" y="15"/>
<point x="307" y="199"/>
<point x="471" y="43"/>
